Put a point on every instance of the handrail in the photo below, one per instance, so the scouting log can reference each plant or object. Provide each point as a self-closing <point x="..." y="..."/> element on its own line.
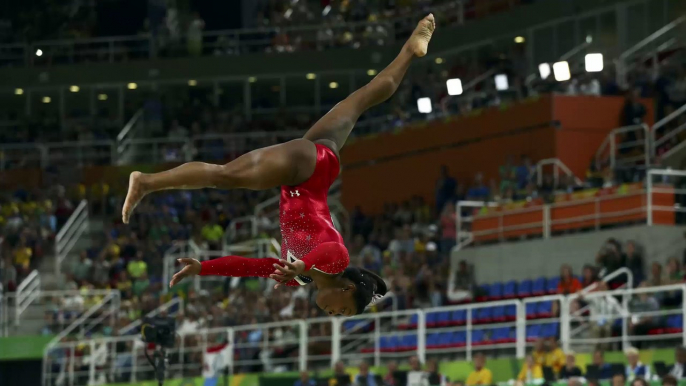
<point x="557" y="163"/>
<point x="610" y="276"/>
<point x="129" y="125"/>
<point x="652" y="37"/>
<point x="113" y="296"/>
<point x="26" y="293"/>
<point x="611" y="141"/>
<point x="656" y="143"/>
<point x="70" y="233"/>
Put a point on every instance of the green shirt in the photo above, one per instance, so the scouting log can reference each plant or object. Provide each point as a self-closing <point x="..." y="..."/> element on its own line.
<point x="136" y="268"/>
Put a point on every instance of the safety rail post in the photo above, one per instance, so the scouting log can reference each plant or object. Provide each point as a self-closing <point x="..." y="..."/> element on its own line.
<point x="336" y="325"/>
<point x="26" y="293"/>
<point x="70" y="233"/>
<point x="302" y="350"/>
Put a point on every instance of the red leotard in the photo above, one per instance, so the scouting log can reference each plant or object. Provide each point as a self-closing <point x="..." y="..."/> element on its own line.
<point x="307" y="230"/>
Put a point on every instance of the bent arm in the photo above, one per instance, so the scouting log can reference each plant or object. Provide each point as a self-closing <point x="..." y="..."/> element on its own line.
<point x="237" y="266"/>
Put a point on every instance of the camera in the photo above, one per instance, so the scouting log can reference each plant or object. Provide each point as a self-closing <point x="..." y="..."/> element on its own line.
<point x="160" y="331"/>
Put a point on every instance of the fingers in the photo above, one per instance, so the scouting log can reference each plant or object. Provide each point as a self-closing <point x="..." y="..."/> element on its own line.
<point x="280" y="278"/>
<point x="176" y="279"/>
<point x="186" y="260"/>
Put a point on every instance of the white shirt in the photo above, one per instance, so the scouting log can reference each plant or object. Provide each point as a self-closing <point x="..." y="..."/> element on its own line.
<point x="678" y="371"/>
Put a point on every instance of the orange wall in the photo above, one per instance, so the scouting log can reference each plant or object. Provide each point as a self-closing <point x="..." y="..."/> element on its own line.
<point x="392" y="167"/>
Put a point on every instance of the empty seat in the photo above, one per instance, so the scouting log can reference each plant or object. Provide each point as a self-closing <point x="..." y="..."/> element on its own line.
<point x="458" y="339"/>
<point x="432" y="319"/>
<point x="544" y="309"/>
<point x="484" y="293"/>
<point x="550" y="330"/>
<point x="538" y="287"/>
<point x="499" y="314"/>
<point x="443" y="319"/>
<point x="496" y="291"/>
<point x="458" y="317"/>
<point x="478" y="337"/>
<point x="484" y="315"/>
<point x="533" y="333"/>
<point x="552" y="285"/>
<point x="510" y="290"/>
<point x="511" y="312"/>
<point x="432" y="340"/>
<point x="531" y="311"/>
<point x="524" y="289"/>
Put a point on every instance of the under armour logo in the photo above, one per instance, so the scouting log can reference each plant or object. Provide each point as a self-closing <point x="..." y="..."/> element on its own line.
<point x="294" y="193"/>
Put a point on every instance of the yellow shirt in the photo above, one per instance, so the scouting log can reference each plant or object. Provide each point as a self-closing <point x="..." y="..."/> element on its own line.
<point x="539" y="357"/>
<point x="481" y="377"/>
<point x="22" y="256"/>
<point x="212" y="232"/>
<point x="555" y="359"/>
<point x="536" y="373"/>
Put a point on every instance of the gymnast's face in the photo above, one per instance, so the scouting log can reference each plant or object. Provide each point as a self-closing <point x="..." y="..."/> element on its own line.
<point x="337" y="300"/>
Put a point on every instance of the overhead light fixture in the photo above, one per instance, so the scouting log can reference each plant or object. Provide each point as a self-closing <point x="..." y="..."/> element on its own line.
<point x="501" y="83"/>
<point x="594" y="62"/>
<point x="424" y="105"/>
<point x="333" y="85"/>
<point x="39" y="52"/>
<point x="544" y="70"/>
<point x="439" y="60"/>
<point x="252" y="79"/>
<point x="132" y="86"/>
<point x="74" y="88"/>
<point x="192" y="82"/>
<point x="102" y="97"/>
<point x="520" y="39"/>
<point x="326" y="10"/>
<point x="311" y="76"/>
<point x="454" y="86"/>
<point x="46" y="99"/>
<point x="561" y="71"/>
<point x="371" y="72"/>
<point x="18" y="91"/>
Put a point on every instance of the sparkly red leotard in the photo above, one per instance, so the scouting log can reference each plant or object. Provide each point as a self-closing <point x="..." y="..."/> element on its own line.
<point x="307" y="230"/>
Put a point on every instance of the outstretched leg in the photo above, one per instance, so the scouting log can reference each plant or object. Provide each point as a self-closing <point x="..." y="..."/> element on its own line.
<point x="334" y="127"/>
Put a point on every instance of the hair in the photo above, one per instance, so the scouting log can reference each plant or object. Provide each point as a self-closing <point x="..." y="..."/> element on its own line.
<point x="368" y="286"/>
<point x="640" y="381"/>
<point x="669" y="380"/>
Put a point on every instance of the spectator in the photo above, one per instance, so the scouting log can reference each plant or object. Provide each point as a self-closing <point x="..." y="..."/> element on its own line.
<point x="448" y="228"/>
<point x="446" y="189"/>
<point x="531" y="371"/>
<point x="634" y="262"/>
<point x="194" y="35"/>
<point x="669" y="380"/>
<point x="568" y="283"/>
<point x="604" y="369"/>
<point x="462" y="286"/>
<point x="82" y="268"/>
<point x="212" y="233"/>
<point x="618" y="379"/>
<point x="539" y="352"/>
<point x="524" y="171"/>
<point x="633" y="111"/>
<point x="481" y="375"/>
<point x="656" y="278"/>
<point x="137" y="268"/>
<point x="555" y="357"/>
<point x="365" y="377"/>
<point x="390" y="379"/>
<point x="609" y="259"/>
<point x="305" y="380"/>
<point x="434" y="377"/>
<point x="639" y="382"/>
<point x="678" y="370"/>
<point x="340" y="376"/>
<point x="588" y="276"/>
<point x="416" y="376"/>
<point x="641" y="324"/>
<point x="508" y="175"/>
<point x="635" y="368"/>
<point x="570" y="370"/>
<point x="479" y="191"/>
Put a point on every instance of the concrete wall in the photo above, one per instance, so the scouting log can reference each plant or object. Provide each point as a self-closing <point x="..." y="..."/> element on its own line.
<point x="536" y="258"/>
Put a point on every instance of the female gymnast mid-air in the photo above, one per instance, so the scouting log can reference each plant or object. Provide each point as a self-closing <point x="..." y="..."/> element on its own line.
<point x="312" y="250"/>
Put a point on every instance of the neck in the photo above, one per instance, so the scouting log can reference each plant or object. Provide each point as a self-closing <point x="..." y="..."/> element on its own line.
<point x="324" y="280"/>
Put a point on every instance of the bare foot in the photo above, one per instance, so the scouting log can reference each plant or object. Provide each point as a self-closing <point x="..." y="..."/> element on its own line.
<point x="419" y="41"/>
<point x="136" y="193"/>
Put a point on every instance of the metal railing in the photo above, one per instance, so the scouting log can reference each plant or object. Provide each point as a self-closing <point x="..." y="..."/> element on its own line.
<point x="662" y="134"/>
<point x="27" y="291"/>
<point x="557" y="166"/>
<point x="627" y="146"/>
<point x="106" y="307"/>
<point x="649" y="48"/>
<point x="320" y="342"/>
<point x="71" y="232"/>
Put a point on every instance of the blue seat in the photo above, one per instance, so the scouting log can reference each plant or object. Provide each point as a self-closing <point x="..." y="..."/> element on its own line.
<point x="409" y="342"/>
<point x="443" y="319"/>
<point x="539" y="287"/>
<point x="550" y="330"/>
<point x="385" y="344"/>
<point x="531" y="310"/>
<point x="544" y="309"/>
<point x="485" y="293"/>
<point x="432" y="340"/>
<point x="444" y="339"/>
<point x="414" y="319"/>
<point x="510" y="290"/>
<point x="395" y="343"/>
<point x="496" y="291"/>
<point x="511" y="312"/>
<point x="485" y="315"/>
<point x="524" y="289"/>
<point x="499" y="314"/>
<point x="533" y="333"/>
<point x="502" y="335"/>
<point x="458" y="339"/>
<point x="478" y="337"/>
<point x="458" y="317"/>
<point x="432" y="319"/>
<point x="552" y="284"/>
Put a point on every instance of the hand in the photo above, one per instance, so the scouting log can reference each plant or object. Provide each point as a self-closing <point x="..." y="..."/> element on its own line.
<point x="192" y="268"/>
<point x="287" y="272"/>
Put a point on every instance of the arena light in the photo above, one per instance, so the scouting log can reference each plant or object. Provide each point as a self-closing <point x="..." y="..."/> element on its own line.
<point x="544" y="70"/>
<point x="333" y="85"/>
<point x="47" y="99"/>
<point x="454" y="86"/>
<point x="288" y="13"/>
<point x="311" y="76"/>
<point x="326" y="10"/>
<point x="439" y="60"/>
<point x="102" y="97"/>
<point x="561" y="71"/>
<point x="252" y="79"/>
<point x="18" y="91"/>
<point x="520" y="39"/>
<point x="74" y="88"/>
<point x="192" y="82"/>
<point x="371" y="72"/>
<point x="132" y="86"/>
<point x="594" y="62"/>
<point x="39" y="52"/>
<point x="501" y="83"/>
<point x="424" y="105"/>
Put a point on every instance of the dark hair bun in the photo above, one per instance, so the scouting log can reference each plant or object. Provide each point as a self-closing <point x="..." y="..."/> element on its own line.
<point x="369" y="287"/>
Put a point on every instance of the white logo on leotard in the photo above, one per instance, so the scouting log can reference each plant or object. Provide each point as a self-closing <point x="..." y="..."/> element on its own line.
<point x="294" y="193"/>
